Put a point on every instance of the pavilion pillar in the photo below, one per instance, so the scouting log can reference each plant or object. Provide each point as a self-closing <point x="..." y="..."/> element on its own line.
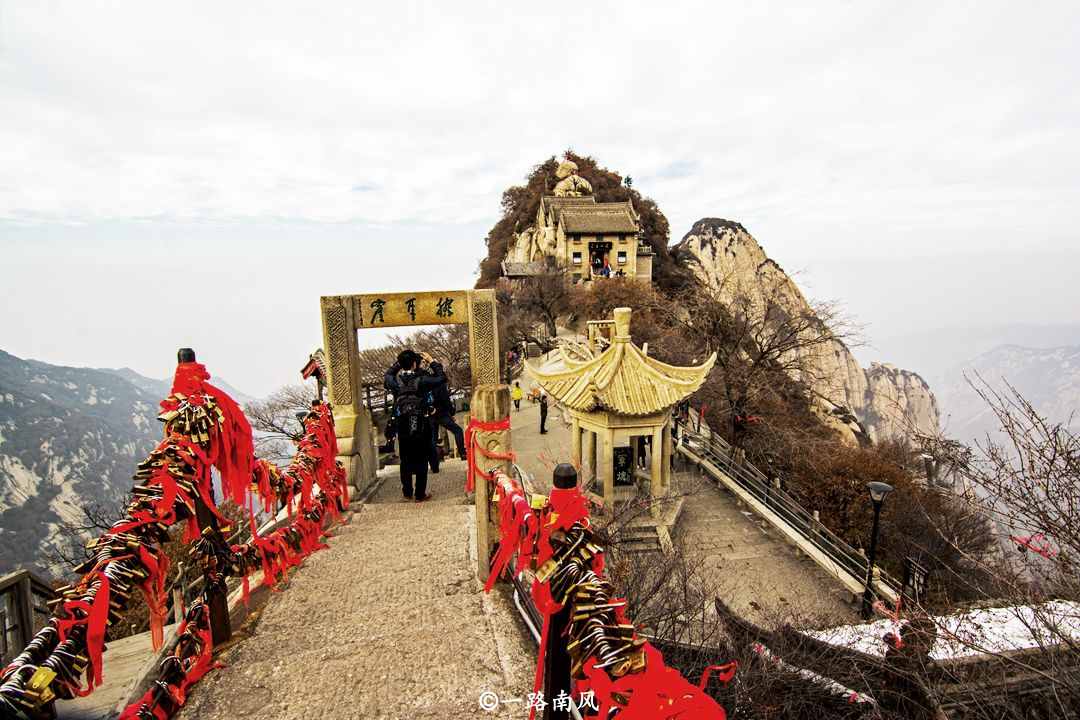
<point x="665" y="486"/>
<point x="575" y="445"/>
<point x="607" y="467"/>
<point x="656" y="474"/>
<point x="590" y="454"/>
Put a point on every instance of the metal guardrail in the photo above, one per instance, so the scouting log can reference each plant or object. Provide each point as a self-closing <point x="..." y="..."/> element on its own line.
<point x="783" y="506"/>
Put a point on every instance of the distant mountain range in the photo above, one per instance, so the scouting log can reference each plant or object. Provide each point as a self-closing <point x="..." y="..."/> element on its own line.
<point x="69" y="437"/>
<point x="1041" y="361"/>
<point x="1049" y="378"/>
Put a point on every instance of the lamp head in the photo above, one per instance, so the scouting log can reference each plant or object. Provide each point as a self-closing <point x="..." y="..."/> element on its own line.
<point x="878" y="491"/>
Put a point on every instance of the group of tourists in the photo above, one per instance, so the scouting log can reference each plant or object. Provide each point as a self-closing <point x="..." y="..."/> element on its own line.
<point x="422" y="405"/>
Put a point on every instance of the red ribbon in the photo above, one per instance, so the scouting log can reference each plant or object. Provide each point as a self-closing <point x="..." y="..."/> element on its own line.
<point x="517" y="530"/>
<point x="473" y="446"/>
<point x="95" y="615"/>
<point x="153" y="589"/>
<point x="656" y="693"/>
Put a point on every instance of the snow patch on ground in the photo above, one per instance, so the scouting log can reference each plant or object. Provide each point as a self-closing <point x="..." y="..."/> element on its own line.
<point x="19" y="482"/>
<point x="68" y="503"/>
<point x="46" y="397"/>
<point x="977" y="632"/>
<point x="93" y="399"/>
<point x="8" y="397"/>
<point x="39" y="379"/>
<point x="71" y="386"/>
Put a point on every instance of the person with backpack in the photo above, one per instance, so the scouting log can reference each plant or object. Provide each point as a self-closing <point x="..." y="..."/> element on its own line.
<point x="412" y="387"/>
<point x="442" y="415"/>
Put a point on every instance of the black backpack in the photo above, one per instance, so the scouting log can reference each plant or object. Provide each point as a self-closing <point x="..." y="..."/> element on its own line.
<point x="410" y="408"/>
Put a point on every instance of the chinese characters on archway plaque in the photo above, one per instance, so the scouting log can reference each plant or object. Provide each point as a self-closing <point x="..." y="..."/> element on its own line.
<point x="424" y="308"/>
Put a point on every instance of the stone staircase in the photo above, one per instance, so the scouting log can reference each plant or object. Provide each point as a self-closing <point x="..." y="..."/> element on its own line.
<point x="648" y="533"/>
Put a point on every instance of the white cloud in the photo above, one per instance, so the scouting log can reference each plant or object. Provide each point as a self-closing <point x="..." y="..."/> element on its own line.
<point x="858" y="129"/>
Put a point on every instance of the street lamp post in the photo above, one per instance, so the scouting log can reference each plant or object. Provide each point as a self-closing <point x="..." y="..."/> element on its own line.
<point x="878" y="491"/>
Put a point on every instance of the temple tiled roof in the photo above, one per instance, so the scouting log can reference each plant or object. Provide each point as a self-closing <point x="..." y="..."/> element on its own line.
<point x="598" y="220"/>
<point x="550" y="201"/>
<point x="622" y="379"/>
<point x="553" y="206"/>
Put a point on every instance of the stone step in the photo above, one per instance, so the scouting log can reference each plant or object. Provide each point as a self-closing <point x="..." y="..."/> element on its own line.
<point x="644" y="532"/>
<point x="639" y="546"/>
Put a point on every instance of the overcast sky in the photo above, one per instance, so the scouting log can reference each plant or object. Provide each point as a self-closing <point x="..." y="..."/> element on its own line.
<point x="193" y="174"/>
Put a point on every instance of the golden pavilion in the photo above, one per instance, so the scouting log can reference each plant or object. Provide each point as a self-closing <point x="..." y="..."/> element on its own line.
<point x="616" y="394"/>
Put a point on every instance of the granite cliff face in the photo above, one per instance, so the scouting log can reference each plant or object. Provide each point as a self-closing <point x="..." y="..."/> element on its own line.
<point x="884" y="400"/>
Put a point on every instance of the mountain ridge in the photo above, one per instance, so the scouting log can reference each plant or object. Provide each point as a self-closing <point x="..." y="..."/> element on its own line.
<point x="69" y="438"/>
<point x="885" y="399"/>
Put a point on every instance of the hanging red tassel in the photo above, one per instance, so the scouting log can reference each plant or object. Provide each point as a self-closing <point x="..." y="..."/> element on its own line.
<point x="153" y="589"/>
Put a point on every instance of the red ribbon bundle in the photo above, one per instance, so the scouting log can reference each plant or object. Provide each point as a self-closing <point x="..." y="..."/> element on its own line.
<point x="233" y="453"/>
<point x="473" y="446"/>
<point x="153" y="589"/>
<point x="656" y="693"/>
<point x="566" y="506"/>
<point x="95" y="616"/>
<point x="517" y="530"/>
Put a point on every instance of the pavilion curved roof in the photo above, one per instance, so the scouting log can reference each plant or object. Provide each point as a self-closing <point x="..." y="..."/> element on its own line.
<point x="622" y="380"/>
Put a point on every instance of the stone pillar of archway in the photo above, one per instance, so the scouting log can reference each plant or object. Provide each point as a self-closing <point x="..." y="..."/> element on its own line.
<point x="352" y="420"/>
<point x="483" y="338"/>
<point x="490" y="403"/>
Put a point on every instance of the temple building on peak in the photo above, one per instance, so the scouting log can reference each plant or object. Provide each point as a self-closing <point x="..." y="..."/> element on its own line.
<point x="575" y="234"/>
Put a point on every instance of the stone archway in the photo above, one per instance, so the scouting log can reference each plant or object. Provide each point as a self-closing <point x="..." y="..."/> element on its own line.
<point x="344" y="315"/>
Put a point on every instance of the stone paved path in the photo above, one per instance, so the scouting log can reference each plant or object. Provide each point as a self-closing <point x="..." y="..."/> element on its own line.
<point x="759" y="574"/>
<point x="390" y="622"/>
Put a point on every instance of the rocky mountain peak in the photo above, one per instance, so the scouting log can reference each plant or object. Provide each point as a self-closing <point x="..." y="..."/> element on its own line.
<point x="885" y="400"/>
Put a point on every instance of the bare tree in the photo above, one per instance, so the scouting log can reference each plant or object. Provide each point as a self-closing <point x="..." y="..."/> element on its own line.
<point x="1028" y="482"/>
<point x="543" y="298"/>
<point x="758" y="335"/>
<point x="275" y="422"/>
<point x="67" y="542"/>
<point x="517" y="325"/>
